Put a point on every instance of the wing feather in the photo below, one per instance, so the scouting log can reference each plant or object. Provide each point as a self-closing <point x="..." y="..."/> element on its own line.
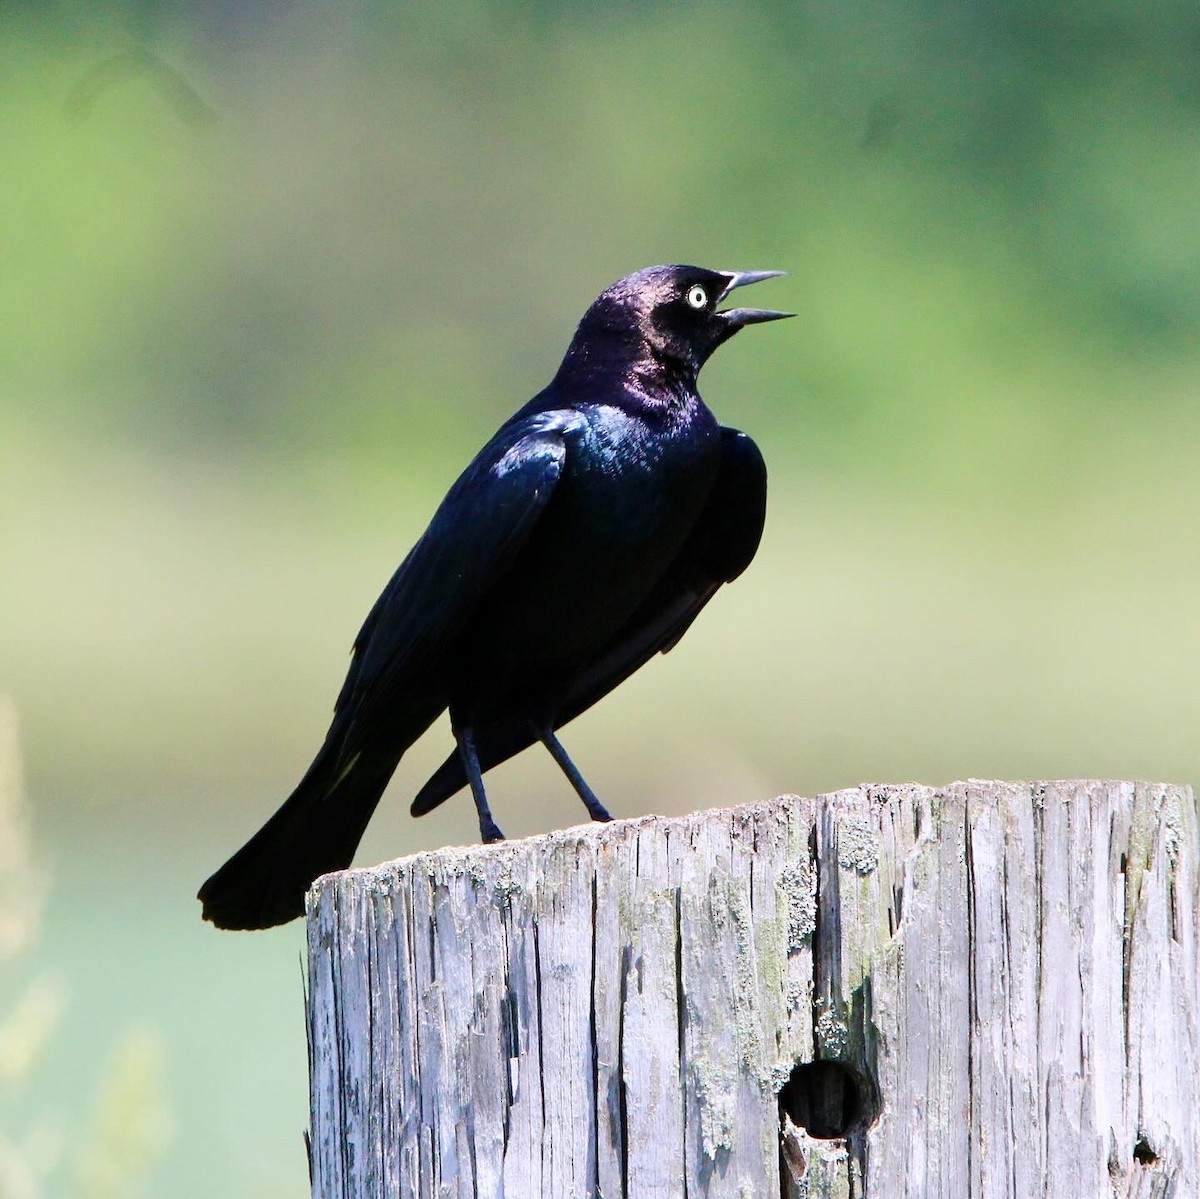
<point x="471" y="542"/>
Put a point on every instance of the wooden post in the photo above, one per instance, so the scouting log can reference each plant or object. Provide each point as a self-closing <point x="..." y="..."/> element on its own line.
<point x="979" y="991"/>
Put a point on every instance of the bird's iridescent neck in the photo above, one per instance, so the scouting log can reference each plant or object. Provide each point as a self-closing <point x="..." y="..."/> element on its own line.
<point x="619" y="370"/>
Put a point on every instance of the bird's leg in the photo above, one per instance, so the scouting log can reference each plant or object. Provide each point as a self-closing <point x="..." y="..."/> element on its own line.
<point x="596" y="810"/>
<point x="489" y="830"/>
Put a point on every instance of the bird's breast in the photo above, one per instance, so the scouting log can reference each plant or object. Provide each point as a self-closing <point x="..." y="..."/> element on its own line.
<point x="636" y="487"/>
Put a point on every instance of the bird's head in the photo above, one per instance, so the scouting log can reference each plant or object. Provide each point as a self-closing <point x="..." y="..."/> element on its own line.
<point x="672" y="314"/>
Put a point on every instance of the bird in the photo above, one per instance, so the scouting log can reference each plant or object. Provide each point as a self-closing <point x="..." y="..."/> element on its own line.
<point x="582" y="539"/>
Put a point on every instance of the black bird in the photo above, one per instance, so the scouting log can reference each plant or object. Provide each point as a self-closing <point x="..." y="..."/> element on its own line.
<point x="583" y="538"/>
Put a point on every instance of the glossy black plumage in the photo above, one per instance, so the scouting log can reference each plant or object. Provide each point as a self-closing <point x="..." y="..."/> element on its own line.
<point x="582" y="539"/>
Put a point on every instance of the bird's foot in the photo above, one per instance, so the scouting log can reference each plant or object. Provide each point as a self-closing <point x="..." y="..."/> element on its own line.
<point x="489" y="832"/>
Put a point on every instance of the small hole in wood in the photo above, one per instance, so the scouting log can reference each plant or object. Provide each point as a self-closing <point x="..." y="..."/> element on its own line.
<point x="1144" y="1153"/>
<point x="826" y="1099"/>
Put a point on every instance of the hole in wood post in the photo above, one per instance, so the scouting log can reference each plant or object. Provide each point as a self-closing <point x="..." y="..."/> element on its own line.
<point x="826" y="1099"/>
<point x="1143" y="1152"/>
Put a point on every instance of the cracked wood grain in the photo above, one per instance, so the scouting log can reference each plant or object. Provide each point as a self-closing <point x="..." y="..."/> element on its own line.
<point x="1008" y="971"/>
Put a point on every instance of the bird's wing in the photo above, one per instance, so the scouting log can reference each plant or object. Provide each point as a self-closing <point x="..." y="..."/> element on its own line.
<point x="721" y="545"/>
<point x="472" y="540"/>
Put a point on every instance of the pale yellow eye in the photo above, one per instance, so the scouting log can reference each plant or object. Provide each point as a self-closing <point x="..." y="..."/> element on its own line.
<point x="697" y="297"/>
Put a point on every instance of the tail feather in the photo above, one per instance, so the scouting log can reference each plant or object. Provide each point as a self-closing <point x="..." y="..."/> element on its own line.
<point x="317" y="830"/>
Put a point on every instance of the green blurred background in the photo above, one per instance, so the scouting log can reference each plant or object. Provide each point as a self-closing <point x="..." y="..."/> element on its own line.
<point x="272" y="272"/>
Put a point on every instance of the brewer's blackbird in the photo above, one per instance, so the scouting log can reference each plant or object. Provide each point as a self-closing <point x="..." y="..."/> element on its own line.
<point x="583" y="538"/>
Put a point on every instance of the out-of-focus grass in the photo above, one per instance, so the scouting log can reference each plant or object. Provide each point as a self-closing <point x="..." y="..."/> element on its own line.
<point x="130" y="1125"/>
<point x="38" y="1147"/>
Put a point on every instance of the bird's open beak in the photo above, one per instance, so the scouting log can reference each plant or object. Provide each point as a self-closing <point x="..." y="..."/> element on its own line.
<point x="735" y="318"/>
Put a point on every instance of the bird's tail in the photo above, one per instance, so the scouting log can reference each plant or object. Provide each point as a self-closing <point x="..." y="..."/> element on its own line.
<point x="317" y="830"/>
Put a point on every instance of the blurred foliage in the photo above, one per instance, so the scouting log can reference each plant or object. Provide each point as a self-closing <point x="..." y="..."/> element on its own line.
<point x="131" y="1125"/>
<point x="345" y="228"/>
<point x="274" y="271"/>
<point x="22" y="886"/>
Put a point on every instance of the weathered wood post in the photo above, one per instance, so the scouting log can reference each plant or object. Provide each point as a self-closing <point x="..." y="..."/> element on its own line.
<point x="981" y="991"/>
